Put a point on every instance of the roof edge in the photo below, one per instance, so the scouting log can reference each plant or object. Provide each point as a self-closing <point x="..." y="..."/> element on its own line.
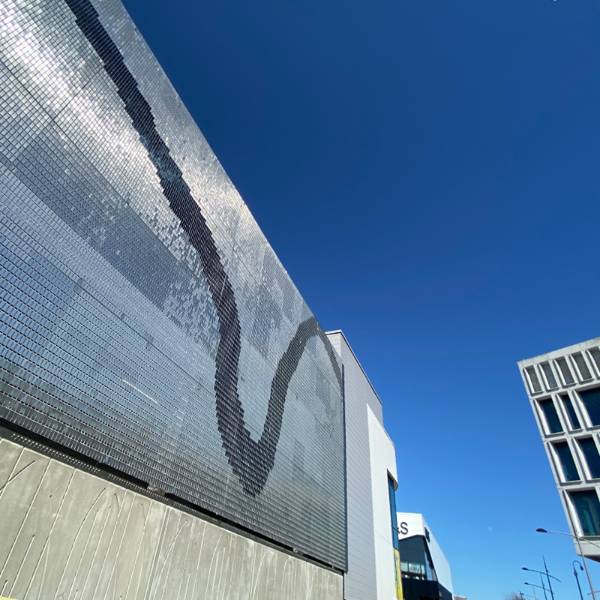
<point x="340" y="332"/>
<point x="560" y="351"/>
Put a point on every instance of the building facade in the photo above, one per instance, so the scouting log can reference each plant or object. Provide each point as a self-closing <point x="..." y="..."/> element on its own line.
<point x="426" y="573"/>
<point x="371" y="480"/>
<point x="564" y="392"/>
<point x="148" y="332"/>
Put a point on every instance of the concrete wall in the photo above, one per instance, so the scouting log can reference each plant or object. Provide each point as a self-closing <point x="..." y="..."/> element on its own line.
<point x="68" y="535"/>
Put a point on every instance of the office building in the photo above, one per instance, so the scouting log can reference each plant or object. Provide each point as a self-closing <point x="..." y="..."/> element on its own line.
<point x="426" y="573"/>
<point x="371" y="480"/>
<point x="564" y="392"/>
<point x="172" y="413"/>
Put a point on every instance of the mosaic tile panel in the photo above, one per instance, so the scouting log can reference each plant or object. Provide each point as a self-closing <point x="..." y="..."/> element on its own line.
<point x="145" y="322"/>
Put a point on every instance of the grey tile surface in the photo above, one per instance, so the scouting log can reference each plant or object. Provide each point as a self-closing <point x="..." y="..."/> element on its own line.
<point x="111" y="331"/>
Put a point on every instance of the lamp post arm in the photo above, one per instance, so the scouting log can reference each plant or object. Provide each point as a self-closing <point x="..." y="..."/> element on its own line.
<point x="578" y="540"/>
<point x="575" y="537"/>
<point x="543" y="573"/>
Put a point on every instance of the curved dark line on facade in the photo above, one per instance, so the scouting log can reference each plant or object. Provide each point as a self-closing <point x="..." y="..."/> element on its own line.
<point x="264" y="450"/>
<point x="251" y="461"/>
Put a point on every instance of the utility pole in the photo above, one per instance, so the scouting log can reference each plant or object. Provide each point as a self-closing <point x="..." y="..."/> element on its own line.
<point x="548" y="577"/>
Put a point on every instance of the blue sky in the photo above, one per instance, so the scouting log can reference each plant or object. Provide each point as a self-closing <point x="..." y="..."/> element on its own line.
<point x="427" y="172"/>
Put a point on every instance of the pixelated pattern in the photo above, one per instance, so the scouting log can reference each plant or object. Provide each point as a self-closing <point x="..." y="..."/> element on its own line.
<point x="144" y="320"/>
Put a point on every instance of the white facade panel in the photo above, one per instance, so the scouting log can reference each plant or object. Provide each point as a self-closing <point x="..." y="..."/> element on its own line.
<point x="370" y="455"/>
<point x="410" y="524"/>
<point x="442" y="567"/>
<point x="359" y="582"/>
<point x="383" y="461"/>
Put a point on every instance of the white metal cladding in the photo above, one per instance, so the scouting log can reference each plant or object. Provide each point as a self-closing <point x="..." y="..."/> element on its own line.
<point x="145" y="321"/>
<point x="383" y="464"/>
<point x="370" y="456"/>
<point x="556" y="381"/>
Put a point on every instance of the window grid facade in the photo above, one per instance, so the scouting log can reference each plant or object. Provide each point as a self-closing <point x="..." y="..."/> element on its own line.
<point x="564" y="391"/>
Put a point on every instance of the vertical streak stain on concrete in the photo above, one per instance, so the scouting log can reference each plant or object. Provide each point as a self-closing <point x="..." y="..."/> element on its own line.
<point x="66" y="534"/>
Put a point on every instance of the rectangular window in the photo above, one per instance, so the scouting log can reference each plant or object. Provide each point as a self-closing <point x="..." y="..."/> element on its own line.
<point x="569" y="470"/>
<point x="395" y="541"/>
<point x="595" y="354"/>
<point x="549" y="375"/>
<point x="591" y="401"/>
<point x="570" y="410"/>
<point x="550" y="415"/>
<point x="534" y="382"/>
<point x="590" y="453"/>
<point x="393" y="515"/>
<point x="582" y="367"/>
<point x="565" y="370"/>
<point x="587" y="508"/>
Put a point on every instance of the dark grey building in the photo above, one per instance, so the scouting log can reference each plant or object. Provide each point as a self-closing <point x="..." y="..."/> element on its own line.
<point x="426" y="573"/>
<point x="147" y="328"/>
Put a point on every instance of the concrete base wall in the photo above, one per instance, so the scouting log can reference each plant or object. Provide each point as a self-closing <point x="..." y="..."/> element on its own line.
<point x="68" y="535"/>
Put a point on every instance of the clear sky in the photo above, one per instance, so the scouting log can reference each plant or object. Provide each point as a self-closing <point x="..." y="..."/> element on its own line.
<point x="427" y="171"/>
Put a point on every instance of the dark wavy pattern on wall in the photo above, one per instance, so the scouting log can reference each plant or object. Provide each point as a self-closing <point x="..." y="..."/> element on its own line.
<point x="251" y="461"/>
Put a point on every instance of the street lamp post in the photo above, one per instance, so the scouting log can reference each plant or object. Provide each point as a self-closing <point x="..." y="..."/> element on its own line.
<point x="548" y="577"/>
<point x="544" y="587"/>
<point x="577" y="539"/>
<point x="534" y="586"/>
<point x="576" y="562"/>
<point x="541" y="574"/>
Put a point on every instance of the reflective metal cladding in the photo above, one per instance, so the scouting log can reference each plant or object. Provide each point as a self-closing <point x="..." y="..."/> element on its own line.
<point x="145" y="322"/>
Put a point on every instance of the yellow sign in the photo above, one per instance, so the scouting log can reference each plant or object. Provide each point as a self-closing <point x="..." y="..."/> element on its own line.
<point x="399" y="590"/>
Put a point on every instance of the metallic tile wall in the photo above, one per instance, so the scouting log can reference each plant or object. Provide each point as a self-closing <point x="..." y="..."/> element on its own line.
<point x="145" y="321"/>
